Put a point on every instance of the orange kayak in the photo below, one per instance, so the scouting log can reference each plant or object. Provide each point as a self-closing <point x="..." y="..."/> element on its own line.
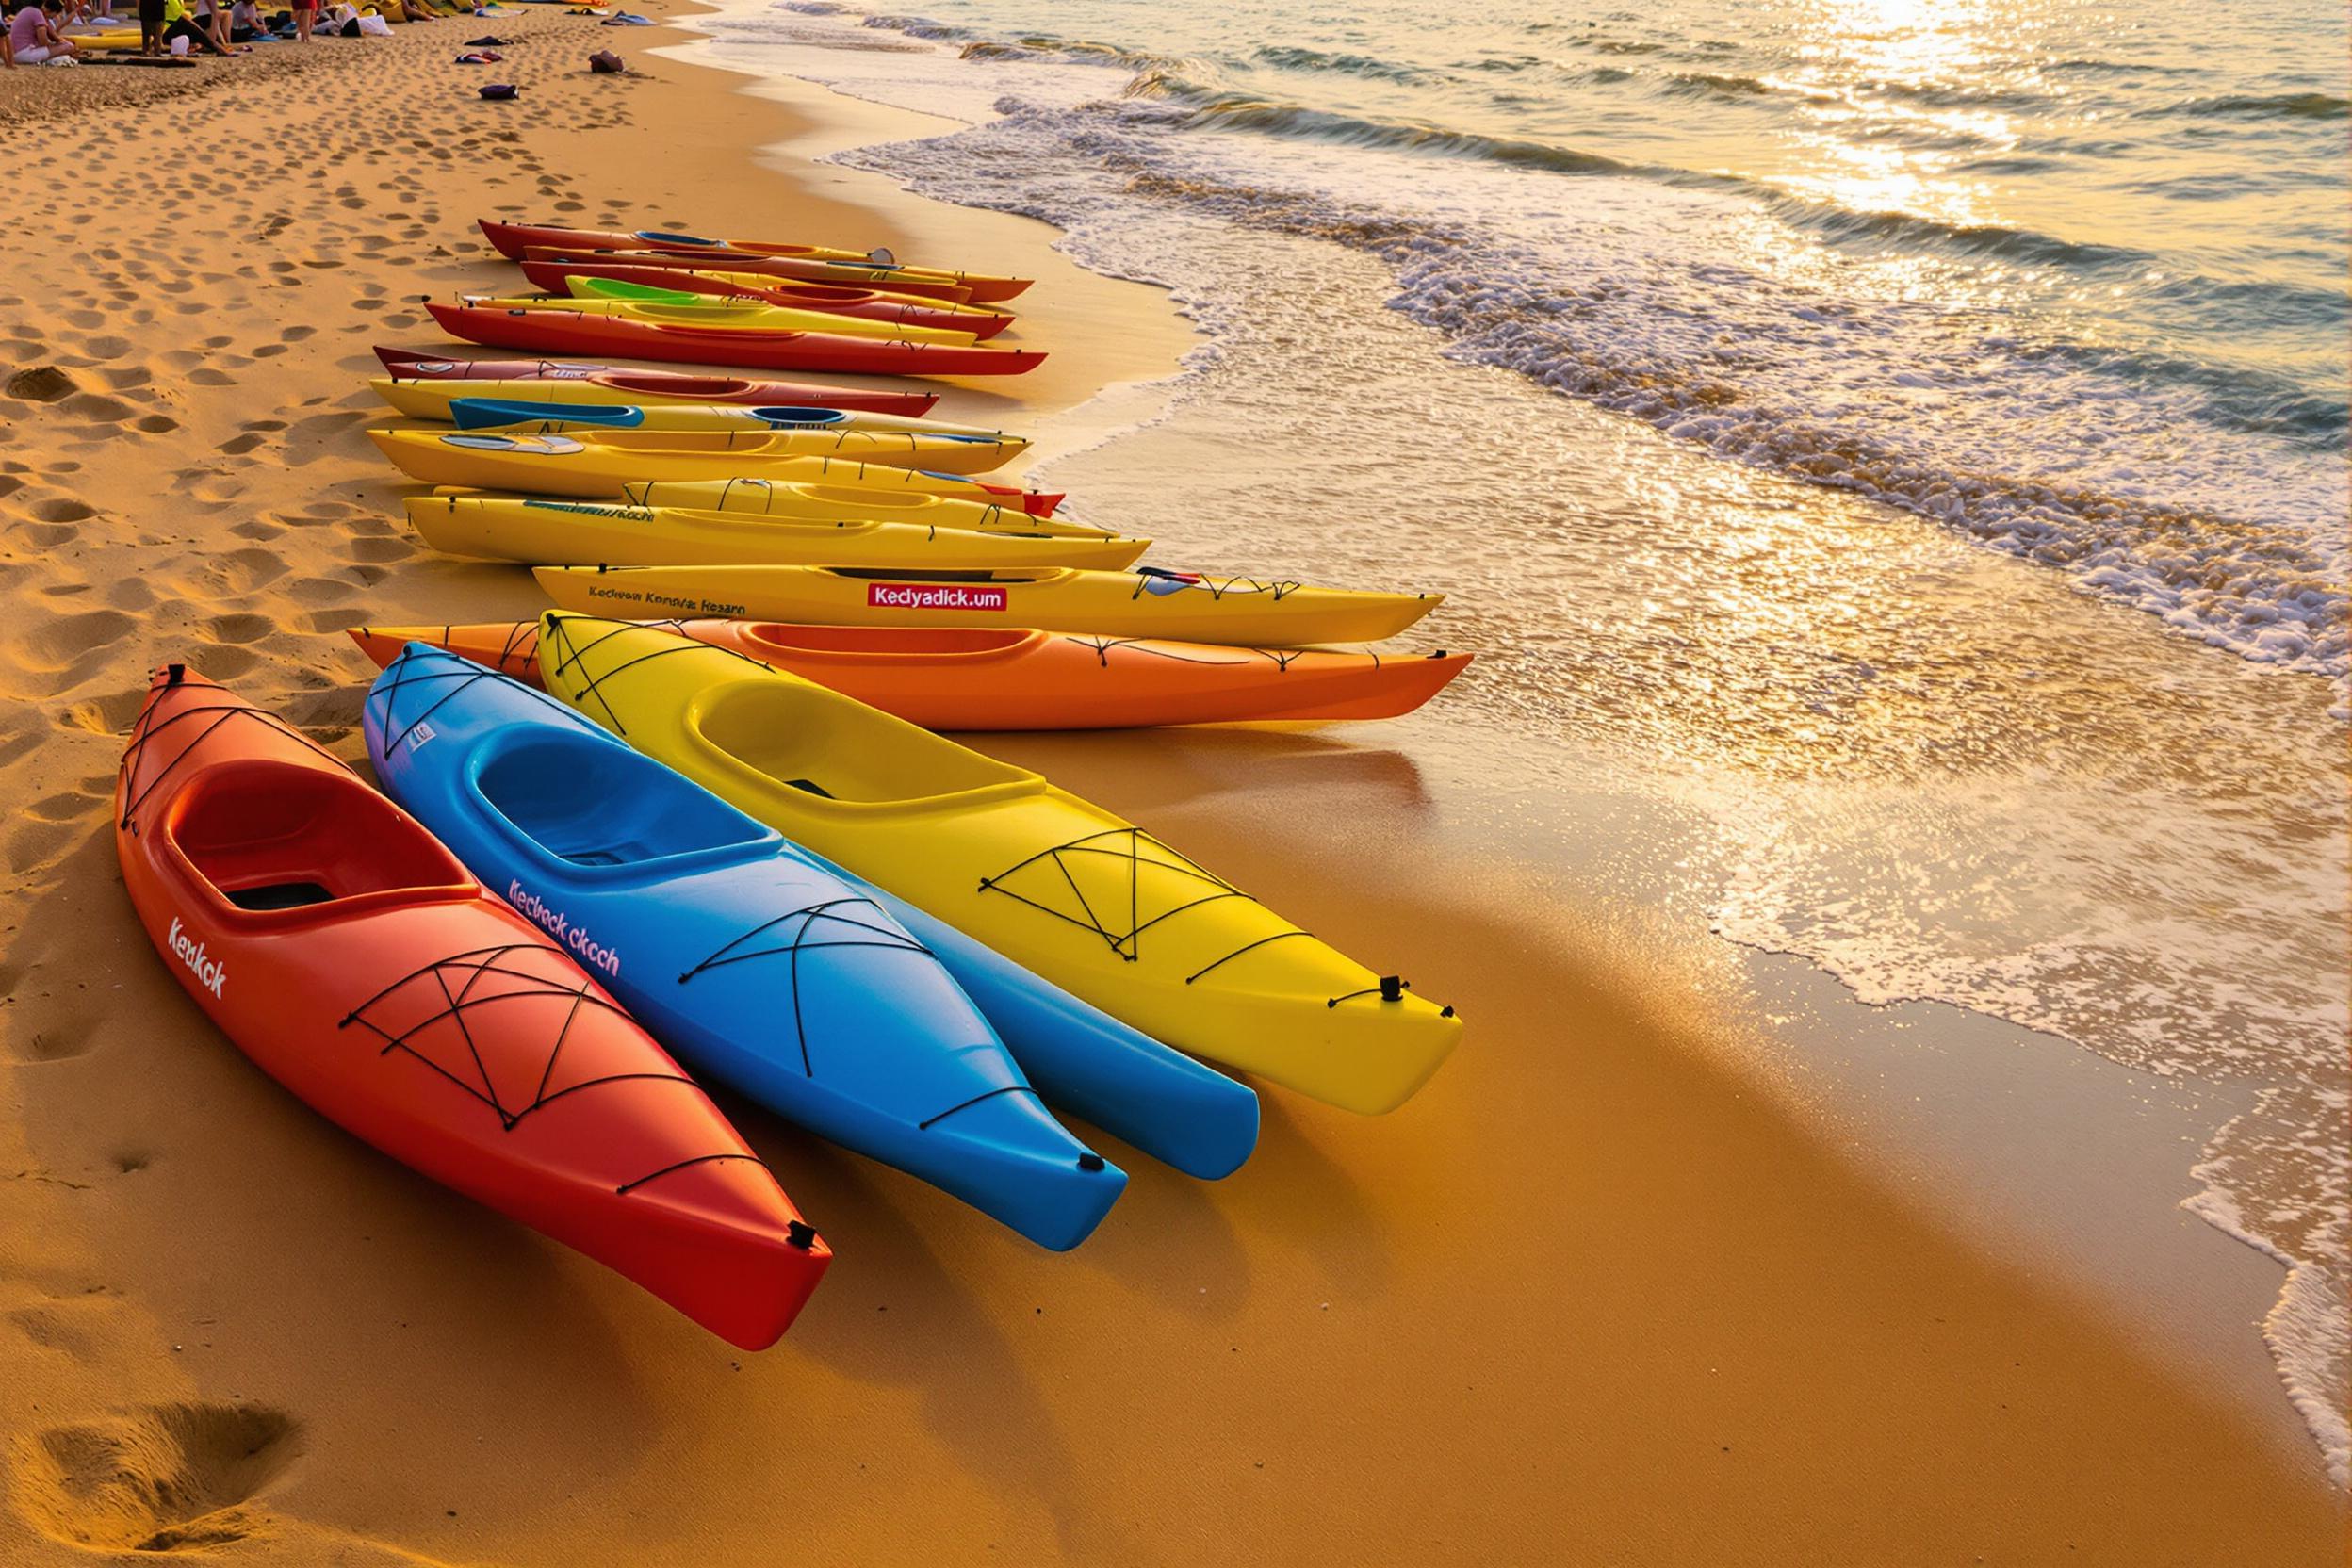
<point x="1008" y="678"/>
<point x="346" y="951"/>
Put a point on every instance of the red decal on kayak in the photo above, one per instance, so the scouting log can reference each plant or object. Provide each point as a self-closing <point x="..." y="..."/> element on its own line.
<point x="906" y="595"/>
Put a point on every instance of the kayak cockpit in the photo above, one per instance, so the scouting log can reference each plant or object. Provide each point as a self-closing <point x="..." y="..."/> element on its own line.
<point x="592" y="804"/>
<point x="830" y="747"/>
<point x="272" y="838"/>
<point x="863" y="503"/>
<point x="678" y="387"/>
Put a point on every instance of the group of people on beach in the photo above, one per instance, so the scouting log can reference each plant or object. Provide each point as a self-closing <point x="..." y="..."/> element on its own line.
<point x="40" y="32"/>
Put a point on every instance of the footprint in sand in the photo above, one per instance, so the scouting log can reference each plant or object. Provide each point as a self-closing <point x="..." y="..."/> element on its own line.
<point x="380" y="550"/>
<point x="36" y="846"/>
<point x="54" y="1042"/>
<point x="177" y="1478"/>
<point x="97" y="408"/>
<point x="68" y="640"/>
<point x="239" y="628"/>
<point x="249" y="569"/>
<point x="43" y="384"/>
<point x="221" y="662"/>
<point x="63" y="807"/>
<point x="314" y="592"/>
<point x="110" y="715"/>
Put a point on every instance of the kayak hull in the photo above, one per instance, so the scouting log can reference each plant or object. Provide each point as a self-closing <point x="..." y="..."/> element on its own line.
<point x="792" y="492"/>
<point x="495" y="528"/>
<point x="326" y="933"/>
<point x="756" y="964"/>
<point x="554" y="378"/>
<point x="1053" y="883"/>
<point x="566" y="332"/>
<point x="512" y="239"/>
<point x="1232" y="612"/>
<point x="1017" y="679"/>
<point x="745" y="264"/>
<point x="558" y="417"/>
<point x="558" y="277"/>
<point x="676" y="308"/>
<point x="601" y="465"/>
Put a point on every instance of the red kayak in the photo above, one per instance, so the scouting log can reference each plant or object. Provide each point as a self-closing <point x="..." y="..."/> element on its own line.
<point x="352" y="956"/>
<point x="877" y="271"/>
<point x="407" y="365"/>
<point x="865" y="304"/>
<point x="565" y="332"/>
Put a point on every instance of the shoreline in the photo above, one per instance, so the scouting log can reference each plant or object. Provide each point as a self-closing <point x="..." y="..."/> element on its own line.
<point x="2003" y="1153"/>
<point x="1667" y="1320"/>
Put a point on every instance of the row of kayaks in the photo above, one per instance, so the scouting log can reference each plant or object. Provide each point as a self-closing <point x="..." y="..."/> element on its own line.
<point x="649" y="294"/>
<point x="668" y="862"/>
<point x="698" y="827"/>
<point x="805" y="513"/>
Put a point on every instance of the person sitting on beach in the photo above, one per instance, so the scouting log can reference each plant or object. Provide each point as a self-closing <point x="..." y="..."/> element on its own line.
<point x="213" y="17"/>
<point x="176" y="25"/>
<point x="33" y="37"/>
<point x="245" y="22"/>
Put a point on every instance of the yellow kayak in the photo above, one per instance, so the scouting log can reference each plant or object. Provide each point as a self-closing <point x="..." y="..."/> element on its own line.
<point x="499" y="528"/>
<point x="1146" y="603"/>
<point x="735" y="315"/>
<point x="603" y="463"/>
<point x="767" y="492"/>
<point x="786" y="499"/>
<point x="431" y="399"/>
<point x="1054" y="883"/>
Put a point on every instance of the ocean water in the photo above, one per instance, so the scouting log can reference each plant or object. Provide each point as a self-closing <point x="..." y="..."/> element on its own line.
<point x="2069" y="277"/>
<point x="1906" y="439"/>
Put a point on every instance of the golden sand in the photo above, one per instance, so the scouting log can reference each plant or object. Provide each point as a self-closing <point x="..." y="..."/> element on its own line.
<point x="1589" y="1299"/>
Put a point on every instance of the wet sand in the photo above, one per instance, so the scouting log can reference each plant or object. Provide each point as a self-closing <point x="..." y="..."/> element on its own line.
<point x="1595" y="1296"/>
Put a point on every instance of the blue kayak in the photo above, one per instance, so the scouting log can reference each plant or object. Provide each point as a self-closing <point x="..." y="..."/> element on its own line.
<point x="754" y="962"/>
<point x="494" y="412"/>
